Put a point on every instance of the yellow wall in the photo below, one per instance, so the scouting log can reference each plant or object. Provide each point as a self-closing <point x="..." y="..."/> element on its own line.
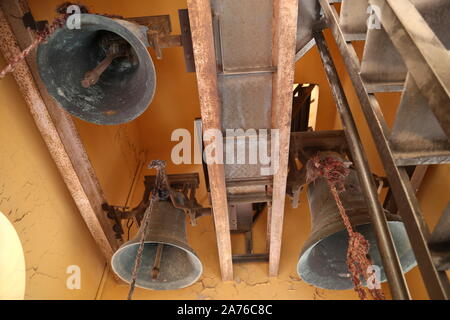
<point x="35" y="199"/>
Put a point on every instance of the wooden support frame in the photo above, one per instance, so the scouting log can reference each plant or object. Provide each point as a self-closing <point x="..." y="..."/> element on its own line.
<point x="436" y="281"/>
<point x="57" y="129"/>
<point x="205" y="64"/>
<point x="283" y="58"/>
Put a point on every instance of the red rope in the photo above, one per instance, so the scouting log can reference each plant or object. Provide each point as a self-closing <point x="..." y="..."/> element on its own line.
<point x="41" y="36"/>
<point x="334" y="170"/>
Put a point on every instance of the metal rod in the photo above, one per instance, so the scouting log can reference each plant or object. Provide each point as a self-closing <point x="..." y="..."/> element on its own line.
<point x="436" y="282"/>
<point x="92" y="77"/>
<point x="386" y="246"/>
<point x="246" y="258"/>
<point x="115" y="50"/>
<point x="157" y="263"/>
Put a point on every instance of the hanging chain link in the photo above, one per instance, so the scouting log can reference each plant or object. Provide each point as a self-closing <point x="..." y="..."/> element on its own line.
<point x="335" y="171"/>
<point x="160" y="184"/>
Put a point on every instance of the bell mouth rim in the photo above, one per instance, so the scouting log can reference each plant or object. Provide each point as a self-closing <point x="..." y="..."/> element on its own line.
<point x="303" y="253"/>
<point x="173" y="244"/>
<point x="138" y="46"/>
<point x="359" y="217"/>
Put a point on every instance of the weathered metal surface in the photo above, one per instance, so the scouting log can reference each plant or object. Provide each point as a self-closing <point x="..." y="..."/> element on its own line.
<point x="179" y="266"/>
<point x="285" y="14"/>
<point x="305" y="145"/>
<point x="310" y="142"/>
<point x="259" y="181"/>
<point x="244" y="217"/>
<point x="436" y="282"/>
<point x="206" y="68"/>
<point x="246" y="101"/>
<point x="232" y="214"/>
<point x="440" y="241"/>
<point x="441" y="260"/>
<point x="250" y="258"/>
<point x="176" y="181"/>
<point x="436" y="14"/>
<point x="417" y="137"/>
<point x="246" y="72"/>
<point x="183" y="189"/>
<point x="416" y="175"/>
<point x="384" y="239"/>
<point x="441" y="233"/>
<point x="243" y="40"/>
<point x="382" y="68"/>
<point x="159" y="24"/>
<point x="242" y="157"/>
<point x="308" y="14"/>
<point x="124" y="91"/>
<point x="353" y="19"/>
<point x="322" y="262"/>
<point x="249" y="198"/>
<point x="77" y="175"/>
<point x="245" y="33"/>
<point x="415" y="33"/>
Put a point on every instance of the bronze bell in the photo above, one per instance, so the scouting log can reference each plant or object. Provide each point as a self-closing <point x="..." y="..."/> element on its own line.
<point x="322" y="261"/>
<point x="101" y="73"/>
<point x="168" y="262"/>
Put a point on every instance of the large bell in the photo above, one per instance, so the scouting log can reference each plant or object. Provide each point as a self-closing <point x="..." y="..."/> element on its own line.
<point x="178" y="265"/>
<point x="322" y="262"/>
<point x="123" y="87"/>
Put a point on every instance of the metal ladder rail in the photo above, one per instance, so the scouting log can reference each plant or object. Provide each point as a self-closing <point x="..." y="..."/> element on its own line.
<point x="436" y="282"/>
<point x="391" y="262"/>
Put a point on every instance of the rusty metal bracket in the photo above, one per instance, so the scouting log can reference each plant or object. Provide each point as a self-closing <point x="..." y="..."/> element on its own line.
<point x="30" y="23"/>
<point x="160" y="37"/>
<point x="159" y="24"/>
<point x="182" y="193"/>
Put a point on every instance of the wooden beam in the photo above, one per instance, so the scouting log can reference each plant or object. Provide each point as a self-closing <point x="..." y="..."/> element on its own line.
<point x="283" y="58"/>
<point x="57" y="129"/>
<point x="205" y="64"/>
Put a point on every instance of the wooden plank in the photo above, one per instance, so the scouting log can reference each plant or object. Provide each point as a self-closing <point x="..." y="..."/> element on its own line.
<point x="205" y="64"/>
<point x="45" y="124"/>
<point x="283" y="57"/>
<point x="65" y="128"/>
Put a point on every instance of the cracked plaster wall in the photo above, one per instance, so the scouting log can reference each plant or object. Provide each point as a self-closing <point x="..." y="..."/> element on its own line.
<point x="35" y="199"/>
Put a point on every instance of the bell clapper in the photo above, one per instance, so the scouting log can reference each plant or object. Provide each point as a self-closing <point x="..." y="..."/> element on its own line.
<point x="115" y="50"/>
<point x="156" y="265"/>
